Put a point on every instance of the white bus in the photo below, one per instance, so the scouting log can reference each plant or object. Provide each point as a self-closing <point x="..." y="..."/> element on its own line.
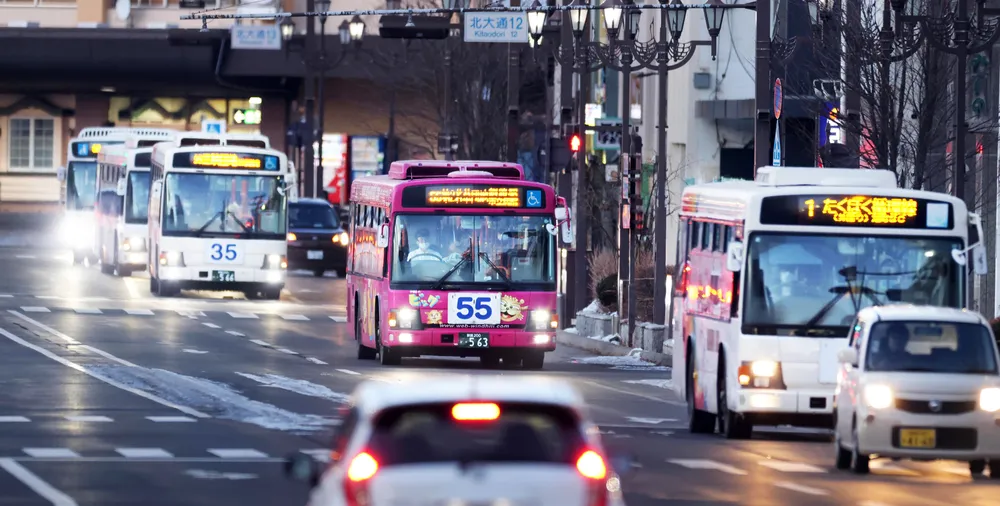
<point x="79" y="182"/>
<point x="774" y="271"/>
<point x="218" y="220"/>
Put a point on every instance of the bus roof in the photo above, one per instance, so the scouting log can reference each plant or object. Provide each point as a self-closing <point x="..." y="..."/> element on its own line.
<point x="121" y="154"/>
<point x="122" y="133"/>
<point x="735" y="200"/>
<point x="413" y="169"/>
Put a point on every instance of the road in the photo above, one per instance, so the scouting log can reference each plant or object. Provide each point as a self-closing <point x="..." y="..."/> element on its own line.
<point x="110" y="396"/>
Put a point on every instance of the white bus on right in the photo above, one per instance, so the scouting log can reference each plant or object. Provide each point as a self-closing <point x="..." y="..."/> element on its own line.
<point x="774" y="271"/>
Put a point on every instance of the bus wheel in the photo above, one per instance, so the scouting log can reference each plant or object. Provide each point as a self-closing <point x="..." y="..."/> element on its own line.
<point x="699" y="422"/>
<point x="732" y="425"/>
<point x="78" y="257"/>
<point x="154" y="285"/>
<point x="270" y="293"/>
<point x="364" y="352"/>
<point x="533" y="360"/>
<point x="166" y="290"/>
<point x="318" y="273"/>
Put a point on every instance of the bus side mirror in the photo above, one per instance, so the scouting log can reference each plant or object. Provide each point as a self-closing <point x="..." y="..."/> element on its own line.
<point x="980" y="264"/>
<point x="734" y="256"/>
<point x="382" y="238"/>
<point x="120" y="189"/>
<point x="848" y="356"/>
<point x="565" y="225"/>
<point x="61" y="174"/>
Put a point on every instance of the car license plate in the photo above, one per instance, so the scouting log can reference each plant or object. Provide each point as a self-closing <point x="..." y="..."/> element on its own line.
<point x="314" y="255"/>
<point x="917" y="438"/>
<point x="474" y="340"/>
<point x="223" y="276"/>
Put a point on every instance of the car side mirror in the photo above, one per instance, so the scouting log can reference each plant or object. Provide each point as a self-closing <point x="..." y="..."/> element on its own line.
<point x="61" y="174"/>
<point x="302" y="467"/>
<point x="562" y="215"/>
<point x="848" y="356"/>
<point x="980" y="264"/>
<point x="734" y="256"/>
<point x="382" y="239"/>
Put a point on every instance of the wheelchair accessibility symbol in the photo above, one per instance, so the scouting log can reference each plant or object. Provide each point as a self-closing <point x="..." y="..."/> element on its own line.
<point x="271" y="163"/>
<point x="534" y="198"/>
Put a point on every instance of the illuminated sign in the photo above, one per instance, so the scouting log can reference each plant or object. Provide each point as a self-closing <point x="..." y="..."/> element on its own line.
<point x="246" y="117"/>
<point x="856" y="211"/>
<point x="213" y="160"/>
<point x="90" y="149"/>
<point x="474" y="195"/>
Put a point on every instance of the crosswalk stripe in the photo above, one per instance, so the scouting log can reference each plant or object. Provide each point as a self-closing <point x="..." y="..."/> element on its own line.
<point x="295" y="317"/>
<point x="87" y="310"/>
<point x="708" y="464"/>
<point x="237" y="453"/>
<point x="339" y="319"/>
<point x="243" y="315"/>
<point x="791" y="467"/>
<point x="801" y="488"/>
<point x="88" y="418"/>
<point x="50" y="453"/>
<point x="139" y="312"/>
<point x="170" y="419"/>
<point x="14" y="419"/>
<point x="35" y="309"/>
<point x="144" y="453"/>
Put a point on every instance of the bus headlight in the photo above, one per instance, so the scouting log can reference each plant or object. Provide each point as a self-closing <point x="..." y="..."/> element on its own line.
<point x="404" y="318"/>
<point x="172" y="259"/>
<point x="77" y="230"/>
<point x="878" y="396"/>
<point x="275" y="262"/>
<point x="134" y="244"/>
<point x="543" y="319"/>
<point x="989" y="399"/>
<point x="760" y="374"/>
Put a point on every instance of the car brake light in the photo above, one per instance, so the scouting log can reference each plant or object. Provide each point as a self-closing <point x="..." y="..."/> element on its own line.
<point x="362" y="467"/>
<point x="591" y="465"/>
<point x="470" y="411"/>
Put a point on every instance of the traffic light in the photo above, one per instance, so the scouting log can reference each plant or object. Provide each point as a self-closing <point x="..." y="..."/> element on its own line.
<point x="575" y="142"/>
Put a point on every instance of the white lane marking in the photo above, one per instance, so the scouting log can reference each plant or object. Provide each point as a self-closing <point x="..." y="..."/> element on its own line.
<point x="652" y="421"/>
<point x="216" y="475"/>
<point x="663" y="433"/>
<point x="211" y="325"/>
<point x="44" y="453"/>
<point x="144" y="453"/>
<point x="237" y="453"/>
<point x="88" y="418"/>
<point x="170" y="419"/>
<point x="48" y="297"/>
<point x="109" y="381"/>
<point x="87" y="310"/>
<point x="296" y="317"/>
<point x="800" y="488"/>
<point x="45" y="327"/>
<point x="6" y="296"/>
<point x="38" y="485"/>
<point x="235" y="333"/>
<point x="35" y="309"/>
<point x="258" y="342"/>
<point x="286" y="350"/>
<point x="243" y="315"/>
<point x="318" y="454"/>
<point x="97" y="351"/>
<point x="14" y="419"/>
<point x="132" y="290"/>
<point x="123" y="460"/>
<point x="339" y="319"/>
<point x="139" y="312"/>
<point x="316" y="361"/>
<point x="634" y="394"/>
<point x="196" y="352"/>
<point x="348" y="371"/>
<point x="889" y="467"/>
<point x="791" y="467"/>
<point x="191" y="314"/>
<point x="707" y="464"/>
<point x="24" y="256"/>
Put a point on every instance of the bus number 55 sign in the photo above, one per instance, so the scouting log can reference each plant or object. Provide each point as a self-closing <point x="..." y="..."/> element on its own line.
<point x="474" y="308"/>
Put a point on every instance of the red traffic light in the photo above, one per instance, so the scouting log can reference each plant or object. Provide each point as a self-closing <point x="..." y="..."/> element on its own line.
<point x="575" y="143"/>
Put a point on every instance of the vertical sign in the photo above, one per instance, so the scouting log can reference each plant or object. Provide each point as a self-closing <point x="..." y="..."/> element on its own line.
<point x="776" y="151"/>
<point x="778" y="102"/>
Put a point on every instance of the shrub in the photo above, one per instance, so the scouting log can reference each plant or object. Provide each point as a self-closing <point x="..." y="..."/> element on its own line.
<point x="643" y="275"/>
<point x="602" y="263"/>
<point x="606" y="292"/>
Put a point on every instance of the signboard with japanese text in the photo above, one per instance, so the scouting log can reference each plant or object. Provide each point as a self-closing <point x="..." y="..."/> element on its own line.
<point x="496" y="27"/>
<point x="266" y="37"/>
<point x="474" y="195"/>
<point x="334" y="176"/>
<point x="244" y="161"/>
<point x="856" y="211"/>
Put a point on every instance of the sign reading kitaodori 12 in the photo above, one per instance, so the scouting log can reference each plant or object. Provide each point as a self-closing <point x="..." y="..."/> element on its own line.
<point x="459" y="196"/>
<point x="496" y="27"/>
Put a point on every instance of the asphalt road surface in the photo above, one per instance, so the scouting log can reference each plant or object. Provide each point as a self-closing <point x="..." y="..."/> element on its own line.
<point x="109" y="396"/>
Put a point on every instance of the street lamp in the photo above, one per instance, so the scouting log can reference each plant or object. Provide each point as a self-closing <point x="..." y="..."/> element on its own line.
<point x="578" y="17"/>
<point x="676" y="17"/>
<point x="633" y="18"/>
<point x="344" y="30"/>
<point x="356" y="29"/>
<point x="287" y="28"/>
<point x="612" y="17"/>
<point x="714" y="16"/>
<point x="323" y="6"/>
<point x="536" y="21"/>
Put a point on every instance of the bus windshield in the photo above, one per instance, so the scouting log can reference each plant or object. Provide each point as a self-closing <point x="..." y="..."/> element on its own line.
<point x="210" y="205"/>
<point x="799" y="284"/>
<point x="81" y="185"/>
<point x="461" y="250"/>
<point x="137" y="197"/>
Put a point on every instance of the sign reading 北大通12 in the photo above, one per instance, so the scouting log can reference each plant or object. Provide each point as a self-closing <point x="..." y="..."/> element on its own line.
<point x="496" y="27"/>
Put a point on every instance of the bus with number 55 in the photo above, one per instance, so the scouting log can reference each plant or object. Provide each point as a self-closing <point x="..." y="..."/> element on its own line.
<point x="454" y="259"/>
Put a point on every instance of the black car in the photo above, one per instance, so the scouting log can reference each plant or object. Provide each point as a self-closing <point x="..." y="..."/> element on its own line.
<point x="316" y="239"/>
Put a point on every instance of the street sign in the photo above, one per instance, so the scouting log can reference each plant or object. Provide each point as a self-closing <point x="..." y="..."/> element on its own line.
<point x="496" y="27"/>
<point x="778" y="98"/>
<point x="255" y="37"/>
<point x="608" y="135"/>
<point x="213" y="126"/>
<point x="776" y="152"/>
<point x="246" y="117"/>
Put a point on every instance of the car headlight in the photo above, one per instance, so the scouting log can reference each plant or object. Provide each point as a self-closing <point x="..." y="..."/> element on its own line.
<point x="341" y="238"/>
<point x="275" y="262"/>
<point x="404" y="318"/>
<point x="172" y="259"/>
<point x="291" y="237"/>
<point x="878" y="396"/>
<point x="989" y="399"/>
<point x="543" y="319"/>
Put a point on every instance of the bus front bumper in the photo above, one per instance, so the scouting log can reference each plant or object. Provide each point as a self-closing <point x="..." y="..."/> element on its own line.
<point x="447" y="342"/>
<point x="241" y="276"/>
<point x="803" y="408"/>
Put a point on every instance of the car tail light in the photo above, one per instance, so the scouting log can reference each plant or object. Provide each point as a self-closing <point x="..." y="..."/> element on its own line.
<point x="360" y="471"/>
<point x="592" y="467"/>
<point x="475" y="411"/>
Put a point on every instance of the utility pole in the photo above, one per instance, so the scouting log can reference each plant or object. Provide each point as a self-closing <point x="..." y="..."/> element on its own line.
<point x="513" y="96"/>
<point x="309" y="134"/>
<point x="762" y="90"/>
<point x="583" y="206"/>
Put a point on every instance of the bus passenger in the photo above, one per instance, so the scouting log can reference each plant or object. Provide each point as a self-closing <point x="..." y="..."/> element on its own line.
<point x="457" y="249"/>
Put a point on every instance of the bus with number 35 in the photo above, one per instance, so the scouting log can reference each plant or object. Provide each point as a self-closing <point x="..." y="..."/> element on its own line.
<point x="454" y="259"/>
<point x="774" y="272"/>
<point x="218" y="220"/>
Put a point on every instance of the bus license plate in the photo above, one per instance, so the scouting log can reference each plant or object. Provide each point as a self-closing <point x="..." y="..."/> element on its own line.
<point x="314" y="254"/>
<point x="917" y="438"/>
<point x="223" y="276"/>
<point x="474" y="340"/>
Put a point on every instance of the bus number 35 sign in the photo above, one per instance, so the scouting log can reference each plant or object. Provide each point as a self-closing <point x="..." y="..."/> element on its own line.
<point x="474" y="308"/>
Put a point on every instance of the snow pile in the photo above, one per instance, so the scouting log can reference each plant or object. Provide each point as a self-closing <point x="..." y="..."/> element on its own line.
<point x="298" y="386"/>
<point x="629" y="362"/>
<point x="211" y="397"/>
<point x="659" y="383"/>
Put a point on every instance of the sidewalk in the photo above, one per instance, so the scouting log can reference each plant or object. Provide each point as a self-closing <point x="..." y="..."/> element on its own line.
<point x="610" y="349"/>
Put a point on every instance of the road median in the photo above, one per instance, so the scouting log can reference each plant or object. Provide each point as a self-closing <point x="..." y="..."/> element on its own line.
<point x="610" y="349"/>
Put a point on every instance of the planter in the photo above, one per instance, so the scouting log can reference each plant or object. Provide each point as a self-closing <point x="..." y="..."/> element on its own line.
<point x="590" y="324"/>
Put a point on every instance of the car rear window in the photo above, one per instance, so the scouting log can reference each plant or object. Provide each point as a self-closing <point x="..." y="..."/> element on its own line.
<point x="521" y="433"/>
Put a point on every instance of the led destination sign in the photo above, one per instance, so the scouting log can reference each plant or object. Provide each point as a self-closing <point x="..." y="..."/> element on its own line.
<point x="246" y="161"/>
<point x="90" y="149"/>
<point x="856" y="211"/>
<point x="474" y="195"/>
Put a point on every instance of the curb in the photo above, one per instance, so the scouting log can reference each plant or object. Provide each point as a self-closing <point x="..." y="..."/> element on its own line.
<point x="609" y="349"/>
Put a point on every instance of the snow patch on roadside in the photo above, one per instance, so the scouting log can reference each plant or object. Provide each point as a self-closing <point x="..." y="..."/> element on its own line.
<point x="659" y="383"/>
<point x="298" y="386"/>
<point x="629" y="362"/>
<point x="214" y="398"/>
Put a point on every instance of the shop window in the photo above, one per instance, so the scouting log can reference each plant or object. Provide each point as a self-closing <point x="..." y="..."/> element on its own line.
<point x="32" y="144"/>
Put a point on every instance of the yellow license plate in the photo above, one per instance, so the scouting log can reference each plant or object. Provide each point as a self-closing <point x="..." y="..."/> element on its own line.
<point x="917" y="438"/>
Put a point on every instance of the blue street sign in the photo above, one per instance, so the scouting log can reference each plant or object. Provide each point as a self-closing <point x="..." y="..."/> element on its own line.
<point x="776" y="152"/>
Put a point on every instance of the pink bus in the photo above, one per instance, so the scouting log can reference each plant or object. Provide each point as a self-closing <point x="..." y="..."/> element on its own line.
<point x="454" y="259"/>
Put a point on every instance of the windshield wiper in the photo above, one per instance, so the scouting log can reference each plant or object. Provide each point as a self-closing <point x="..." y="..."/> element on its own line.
<point x="440" y="283"/>
<point x="496" y="269"/>
<point x="245" y="228"/>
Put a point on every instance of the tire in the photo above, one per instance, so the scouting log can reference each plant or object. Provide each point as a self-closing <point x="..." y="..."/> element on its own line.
<point x="994" y="466"/>
<point x="364" y="352"/>
<point x="977" y="467"/>
<point x="154" y="285"/>
<point x="166" y="289"/>
<point x="842" y="457"/>
<point x="533" y="360"/>
<point x="731" y="425"/>
<point x="699" y="422"/>
<point x="859" y="461"/>
<point x="318" y="273"/>
<point x="385" y="354"/>
<point x="78" y="258"/>
<point x="271" y="294"/>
